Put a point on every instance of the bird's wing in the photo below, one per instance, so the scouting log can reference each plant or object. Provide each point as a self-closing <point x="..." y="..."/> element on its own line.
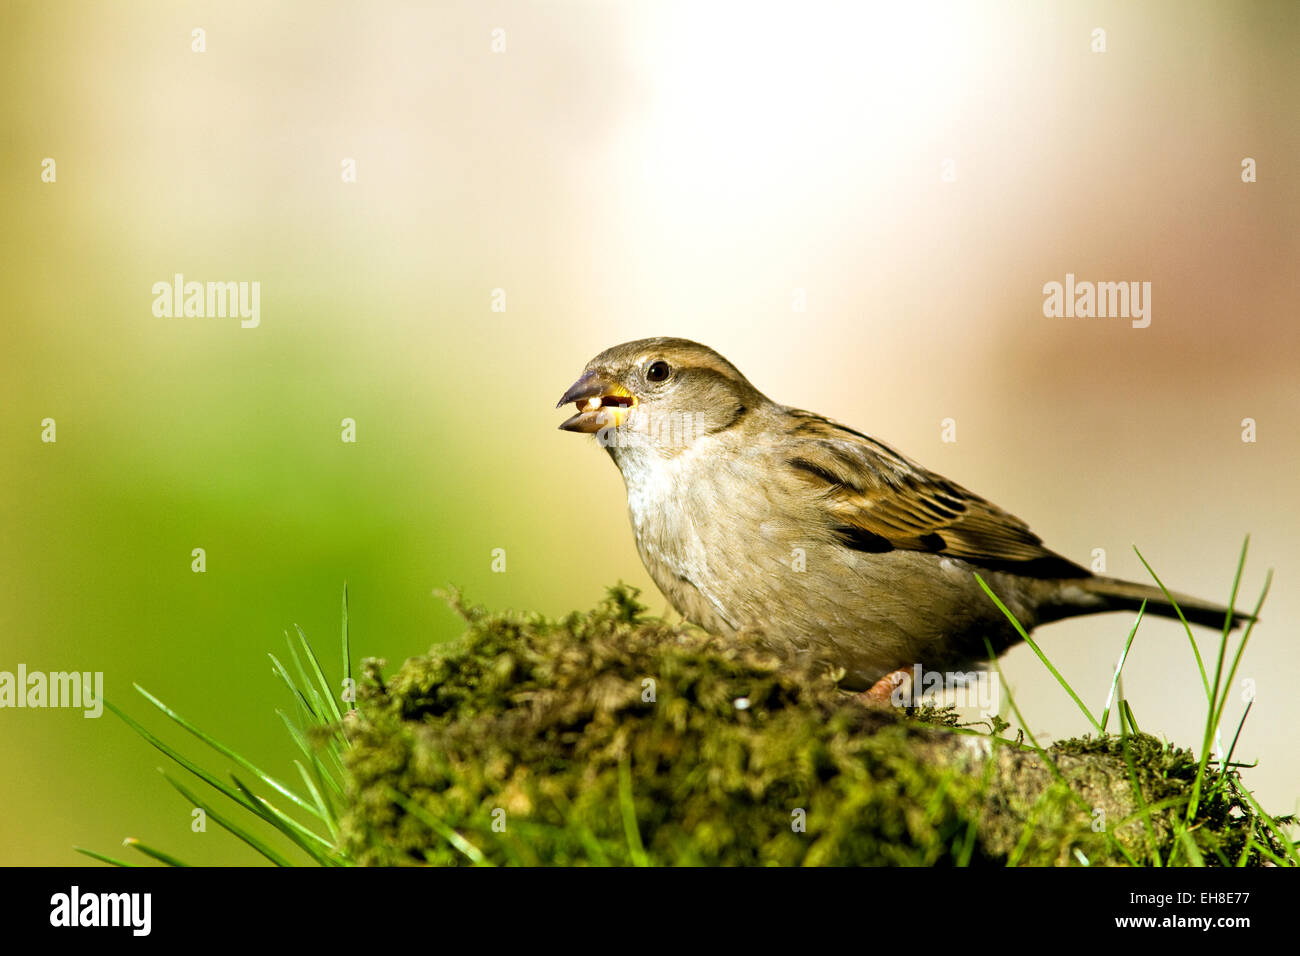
<point x="877" y="501"/>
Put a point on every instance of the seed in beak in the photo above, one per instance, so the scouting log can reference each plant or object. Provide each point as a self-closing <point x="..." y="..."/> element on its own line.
<point x="593" y="403"/>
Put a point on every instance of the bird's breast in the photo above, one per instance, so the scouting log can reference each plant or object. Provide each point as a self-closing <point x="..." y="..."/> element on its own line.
<point x="673" y="508"/>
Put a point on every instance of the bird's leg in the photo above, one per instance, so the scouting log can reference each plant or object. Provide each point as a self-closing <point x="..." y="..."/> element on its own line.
<point x="882" y="691"/>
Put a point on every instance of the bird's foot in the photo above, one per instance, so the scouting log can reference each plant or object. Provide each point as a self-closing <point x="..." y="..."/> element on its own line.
<point x="881" y="693"/>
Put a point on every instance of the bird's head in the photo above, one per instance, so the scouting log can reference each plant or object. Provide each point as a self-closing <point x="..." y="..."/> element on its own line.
<point x="661" y="393"/>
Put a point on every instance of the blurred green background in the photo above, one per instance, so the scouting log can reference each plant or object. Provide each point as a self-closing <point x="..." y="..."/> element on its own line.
<point x="619" y="170"/>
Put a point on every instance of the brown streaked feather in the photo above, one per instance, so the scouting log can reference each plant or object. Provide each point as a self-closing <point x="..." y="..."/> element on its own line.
<point x="878" y="500"/>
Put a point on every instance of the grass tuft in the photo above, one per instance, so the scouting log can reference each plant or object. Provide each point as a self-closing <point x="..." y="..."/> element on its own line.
<point x="614" y="738"/>
<point x="311" y="823"/>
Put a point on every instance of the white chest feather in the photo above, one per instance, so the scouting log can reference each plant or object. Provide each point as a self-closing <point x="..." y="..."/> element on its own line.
<point x="660" y="493"/>
<point x="671" y="503"/>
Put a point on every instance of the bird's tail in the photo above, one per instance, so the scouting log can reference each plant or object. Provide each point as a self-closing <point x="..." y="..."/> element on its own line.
<point x="1118" y="595"/>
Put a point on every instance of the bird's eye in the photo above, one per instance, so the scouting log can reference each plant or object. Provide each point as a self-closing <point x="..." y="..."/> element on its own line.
<point x="658" y="371"/>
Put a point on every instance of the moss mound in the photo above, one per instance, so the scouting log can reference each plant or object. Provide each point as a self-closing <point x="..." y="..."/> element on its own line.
<point x="610" y="737"/>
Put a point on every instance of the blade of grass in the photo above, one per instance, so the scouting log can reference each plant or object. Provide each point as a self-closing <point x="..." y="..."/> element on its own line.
<point x="149" y="851"/>
<point x="299" y="697"/>
<point x="347" y="646"/>
<point x="328" y="811"/>
<point x="257" y="844"/>
<point x="1127" y="711"/>
<point x="1226" y="766"/>
<point x="326" y="691"/>
<point x="1188" y="844"/>
<point x="1278" y="831"/>
<point x="309" y="752"/>
<point x="1214" y="715"/>
<point x="222" y="749"/>
<point x="297" y="827"/>
<point x="1244" y="858"/>
<point x="104" y="858"/>
<point x="1200" y="665"/>
<point x="290" y="827"/>
<point x="1271" y="856"/>
<point x="1217" y="706"/>
<point x="1119" y="668"/>
<point x="1044" y="756"/>
<point x="208" y="778"/>
<point x="319" y="709"/>
<point x="1227" y="630"/>
<point x="1241" y="648"/>
<point x="1041" y="656"/>
<point x="458" y="842"/>
<point x="630" y="830"/>
<point x="1236" y="583"/>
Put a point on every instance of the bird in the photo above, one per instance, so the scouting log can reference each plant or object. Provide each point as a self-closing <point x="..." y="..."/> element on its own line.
<point x="767" y="523"/>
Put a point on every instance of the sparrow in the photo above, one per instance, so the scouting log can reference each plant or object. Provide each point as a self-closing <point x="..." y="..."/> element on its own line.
<point x="768" y="523"/>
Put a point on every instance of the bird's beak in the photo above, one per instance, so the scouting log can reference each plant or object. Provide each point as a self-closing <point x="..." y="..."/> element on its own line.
<point x="601" y="404"/>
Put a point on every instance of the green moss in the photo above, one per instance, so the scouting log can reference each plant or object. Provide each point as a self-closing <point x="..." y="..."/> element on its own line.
<point x="1224" y="821"/>
<point x="612" y="737"/>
